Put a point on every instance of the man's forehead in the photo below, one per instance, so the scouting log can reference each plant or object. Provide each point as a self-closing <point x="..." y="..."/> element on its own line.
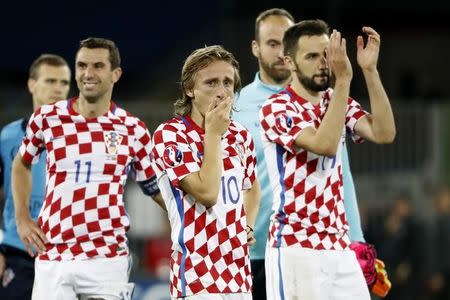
<point x="92" y="55"/>
<point x="46" y="70"/>
<point x="313" y="43"/>
<point x="217" y="68"/>
<point x="274" y="25"/>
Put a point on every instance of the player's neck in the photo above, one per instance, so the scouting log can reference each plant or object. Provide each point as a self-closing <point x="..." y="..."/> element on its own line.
<point x="91" y="109"/>
<point x="198" y="118"/>
<point x="266" y="79"/>
<point x="310" y="96"/>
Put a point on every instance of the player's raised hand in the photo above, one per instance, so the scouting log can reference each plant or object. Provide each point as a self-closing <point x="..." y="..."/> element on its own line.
<point x="337" y="58"/>
<point x="367" y="56"/>
<point x="31" y="235"/>
<point x="217" y="118"/>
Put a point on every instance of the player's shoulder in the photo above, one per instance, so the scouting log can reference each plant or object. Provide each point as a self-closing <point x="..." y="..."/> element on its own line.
<point x="278" y="102"/>
<point x="175" y="124"/>
<point x="281" y="97"/>
<point x="237" y="126"/>
<point x="173" y="129"/>
<point x="249" y="89"/>
<point x="55" y="107"/>
<point x="237" y="129"/>
<point x="128" y="118"/>
<point x="13" y="126"/>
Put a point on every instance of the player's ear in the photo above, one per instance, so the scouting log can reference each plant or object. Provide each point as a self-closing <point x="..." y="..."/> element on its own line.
<point x="31" y="83"/>
<point x="255" y="48"/>
<point x="289" y="62"/>
<point x="190" y="93"/>
<point x="117" y="72"/>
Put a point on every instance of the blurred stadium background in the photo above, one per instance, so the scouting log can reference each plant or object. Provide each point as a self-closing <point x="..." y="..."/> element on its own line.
<point x="402" y="188"/>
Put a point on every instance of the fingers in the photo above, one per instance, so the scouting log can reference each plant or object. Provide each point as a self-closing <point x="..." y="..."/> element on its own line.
<point x="212" y="105"/>
<point x="34" y="238"/>
<point x="370" y="31"/>
<point x="359" y="43"/>
<point x="372" y="35"/>
<point x="225" y="105"/>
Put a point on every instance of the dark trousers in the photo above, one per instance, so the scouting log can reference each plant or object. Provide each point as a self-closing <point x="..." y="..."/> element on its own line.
<point x="17" y="280"/>
<point x="259" y="279"/>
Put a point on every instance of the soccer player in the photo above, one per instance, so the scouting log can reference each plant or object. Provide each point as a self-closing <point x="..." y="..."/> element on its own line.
<point x="273" y="77"/>
<point x="304" y="128"/>
<point x="48" y="81"/>
<point x="91" y="145"/>
<point x="205" y="164"/>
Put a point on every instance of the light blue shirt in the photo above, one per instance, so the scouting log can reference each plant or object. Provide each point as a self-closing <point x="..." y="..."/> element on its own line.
<point x="10" y="140"/>
<point x="248" y="103"/>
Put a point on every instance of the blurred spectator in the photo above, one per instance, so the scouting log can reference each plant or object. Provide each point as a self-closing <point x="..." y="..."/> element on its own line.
<point x="439" y="281"/>
<point x="398" y="236"/>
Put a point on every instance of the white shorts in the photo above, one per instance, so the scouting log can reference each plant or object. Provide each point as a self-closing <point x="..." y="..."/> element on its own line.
<point x="105" y="278"/>
<point x="294" y="273"/>
<point x="231" y="296"/>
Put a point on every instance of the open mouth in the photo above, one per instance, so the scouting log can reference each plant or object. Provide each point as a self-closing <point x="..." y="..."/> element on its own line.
<point x="89" y="85"/>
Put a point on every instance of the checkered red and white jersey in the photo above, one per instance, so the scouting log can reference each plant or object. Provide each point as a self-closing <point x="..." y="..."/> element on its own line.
<point x="83" y="215"/>
<point x="210" y="252"/>
<point x="308" y="189"/>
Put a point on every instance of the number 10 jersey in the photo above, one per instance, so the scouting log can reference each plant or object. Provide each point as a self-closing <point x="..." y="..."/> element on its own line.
<point x="210" y="252"/>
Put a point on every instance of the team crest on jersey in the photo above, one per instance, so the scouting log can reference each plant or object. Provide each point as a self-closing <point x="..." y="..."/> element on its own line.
<point x="283" y="122"/>
<point x="172" y="156"/>
<point x="112" y="141"/>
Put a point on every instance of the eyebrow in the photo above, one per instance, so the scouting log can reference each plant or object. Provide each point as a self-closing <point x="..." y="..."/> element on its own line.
<point x="273" y="41"/>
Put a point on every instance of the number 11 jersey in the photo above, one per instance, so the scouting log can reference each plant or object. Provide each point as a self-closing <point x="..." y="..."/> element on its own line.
<point x="87" y="164"/>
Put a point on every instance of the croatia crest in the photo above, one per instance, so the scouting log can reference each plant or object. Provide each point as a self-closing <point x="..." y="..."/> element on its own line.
<point x="283" y="122"/>
<point x="112" y="141"/>
<point x="172" y="156"/>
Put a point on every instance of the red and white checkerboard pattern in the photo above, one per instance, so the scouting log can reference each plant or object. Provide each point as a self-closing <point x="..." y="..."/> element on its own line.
<point x="83" y="214"/>
<point x="308" y="188"/>
<point x="210" y="252"/>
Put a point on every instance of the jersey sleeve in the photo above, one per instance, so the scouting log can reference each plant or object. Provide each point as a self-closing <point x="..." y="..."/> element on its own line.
<point x="173" y="154"/>
<point x="33" y="141"/>
<point x="142" y="162"/>
<point x="250" y="162"/>
<point x="353" y="114"/>
<point x="281" y="123"/>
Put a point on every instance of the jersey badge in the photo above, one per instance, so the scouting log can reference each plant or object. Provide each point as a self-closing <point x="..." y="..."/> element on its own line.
<point x="172" y="156"/>
<point x="283" y="122"/>
<point x="112" y="141"/>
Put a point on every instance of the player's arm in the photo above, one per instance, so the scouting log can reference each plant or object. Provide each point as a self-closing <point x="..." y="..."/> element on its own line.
<point x="251" y="204"/>
<point x="150" y="188"/>
<point x="160" y="201"/>
<point x="325" y="140"/>
<point x="379" y="126"/>
<point x="204" y="185"/>
<point x="29" y="232"/>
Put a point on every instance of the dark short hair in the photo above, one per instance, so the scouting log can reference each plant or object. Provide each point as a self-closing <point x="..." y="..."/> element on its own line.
<point x="303" y="28"/>
<point x="271" y="12"/>
<point x="198" y="60"/>
<point x="95" y="43"/>
<point x="45" y="59"/>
